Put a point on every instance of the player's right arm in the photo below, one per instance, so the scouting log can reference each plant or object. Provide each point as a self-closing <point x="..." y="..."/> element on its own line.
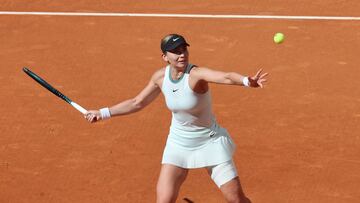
<point x="145" y="97"/>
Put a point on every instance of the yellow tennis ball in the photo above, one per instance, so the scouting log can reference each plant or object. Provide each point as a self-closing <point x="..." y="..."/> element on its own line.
<point x="279" y="38"/>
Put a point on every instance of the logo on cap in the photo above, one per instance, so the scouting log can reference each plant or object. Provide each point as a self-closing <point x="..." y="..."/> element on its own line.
<point x="173" y="42"/>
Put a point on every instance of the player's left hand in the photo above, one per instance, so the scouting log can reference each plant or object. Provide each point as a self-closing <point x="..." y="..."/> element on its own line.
<point x="258" y="79"/>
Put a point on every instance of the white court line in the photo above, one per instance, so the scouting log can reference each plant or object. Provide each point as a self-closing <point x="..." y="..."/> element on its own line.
<point x="182" y="15"/>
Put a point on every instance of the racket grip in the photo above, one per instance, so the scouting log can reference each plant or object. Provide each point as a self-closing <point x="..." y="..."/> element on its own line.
<point x="78" y="107"/>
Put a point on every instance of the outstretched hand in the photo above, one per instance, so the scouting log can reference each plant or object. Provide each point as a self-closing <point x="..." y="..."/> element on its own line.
<point x="92" y="116"/>
<point x="258" y="79"/>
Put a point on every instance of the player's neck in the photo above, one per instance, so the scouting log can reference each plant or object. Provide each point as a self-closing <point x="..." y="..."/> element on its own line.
<point x="177" y="72"/>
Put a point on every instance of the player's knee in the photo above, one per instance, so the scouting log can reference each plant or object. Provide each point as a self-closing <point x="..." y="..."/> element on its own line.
<point x="165" y="195"/>
<point x="165" y="198"/>
<point x="238" y="199"/>
<point x="233" y="200"/>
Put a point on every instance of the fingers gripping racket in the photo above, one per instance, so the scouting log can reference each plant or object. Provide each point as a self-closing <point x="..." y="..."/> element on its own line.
<point x="53" y="90"/>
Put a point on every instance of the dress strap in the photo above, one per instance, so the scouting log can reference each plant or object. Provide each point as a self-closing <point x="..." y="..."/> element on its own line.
<point x="189" y="67"/>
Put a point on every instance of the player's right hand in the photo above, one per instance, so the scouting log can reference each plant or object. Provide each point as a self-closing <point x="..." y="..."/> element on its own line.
<point x="92" y="116"/>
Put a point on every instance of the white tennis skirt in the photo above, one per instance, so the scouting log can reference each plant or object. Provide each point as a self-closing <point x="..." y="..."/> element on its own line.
<point x="198" y="149"/>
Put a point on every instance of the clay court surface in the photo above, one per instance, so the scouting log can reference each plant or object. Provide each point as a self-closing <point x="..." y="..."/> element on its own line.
<point x="298" y="139"/>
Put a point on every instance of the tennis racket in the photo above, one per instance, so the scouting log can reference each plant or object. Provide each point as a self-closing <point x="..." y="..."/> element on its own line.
<point x="43" y="83"/>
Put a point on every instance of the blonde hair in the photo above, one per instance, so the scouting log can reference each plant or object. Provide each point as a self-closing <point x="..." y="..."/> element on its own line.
<point x="165" y="39"/>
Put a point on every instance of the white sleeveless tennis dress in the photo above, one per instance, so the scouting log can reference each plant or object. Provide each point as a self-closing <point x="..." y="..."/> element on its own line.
<point x="195" y="139"/>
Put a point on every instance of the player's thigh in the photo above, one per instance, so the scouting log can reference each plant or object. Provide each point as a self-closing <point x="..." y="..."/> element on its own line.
<point x="226" y="178"/>
<point x="170" y="179"/>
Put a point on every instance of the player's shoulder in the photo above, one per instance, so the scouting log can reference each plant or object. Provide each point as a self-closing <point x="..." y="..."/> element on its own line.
<point x="158" y="75"/>
<point x="198" y="70"/>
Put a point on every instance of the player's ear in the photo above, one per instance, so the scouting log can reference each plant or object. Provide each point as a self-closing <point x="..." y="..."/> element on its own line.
<point x="165" y="58"/>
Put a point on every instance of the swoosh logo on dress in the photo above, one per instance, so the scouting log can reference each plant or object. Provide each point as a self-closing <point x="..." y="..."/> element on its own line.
<point x="175" y="90"/>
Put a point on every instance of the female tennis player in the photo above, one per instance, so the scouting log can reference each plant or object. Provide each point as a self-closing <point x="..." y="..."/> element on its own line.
<point x="195" y="139"/>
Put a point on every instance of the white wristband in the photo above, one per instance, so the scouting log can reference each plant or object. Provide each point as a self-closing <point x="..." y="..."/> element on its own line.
<point x="246" y="81"/>
<point x="105" y="113"/>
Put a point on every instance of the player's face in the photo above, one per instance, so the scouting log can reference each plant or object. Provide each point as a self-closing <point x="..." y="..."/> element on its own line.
<point x="178" y="57"/>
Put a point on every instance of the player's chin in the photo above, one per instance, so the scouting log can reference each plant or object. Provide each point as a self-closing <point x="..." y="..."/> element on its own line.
<point x="182" y="64"/>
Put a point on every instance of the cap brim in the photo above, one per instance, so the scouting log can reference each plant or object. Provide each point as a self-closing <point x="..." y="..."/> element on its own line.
<point x="176" y="45"/>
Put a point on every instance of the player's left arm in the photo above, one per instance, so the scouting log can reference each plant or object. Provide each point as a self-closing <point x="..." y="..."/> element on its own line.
<point x="229" y="78"/>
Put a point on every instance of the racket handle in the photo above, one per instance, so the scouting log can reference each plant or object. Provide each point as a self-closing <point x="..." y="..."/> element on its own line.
<point x="78" y="107"/>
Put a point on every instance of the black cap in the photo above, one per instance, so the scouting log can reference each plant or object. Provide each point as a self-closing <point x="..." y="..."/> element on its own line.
<point x="172" y="41"/>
